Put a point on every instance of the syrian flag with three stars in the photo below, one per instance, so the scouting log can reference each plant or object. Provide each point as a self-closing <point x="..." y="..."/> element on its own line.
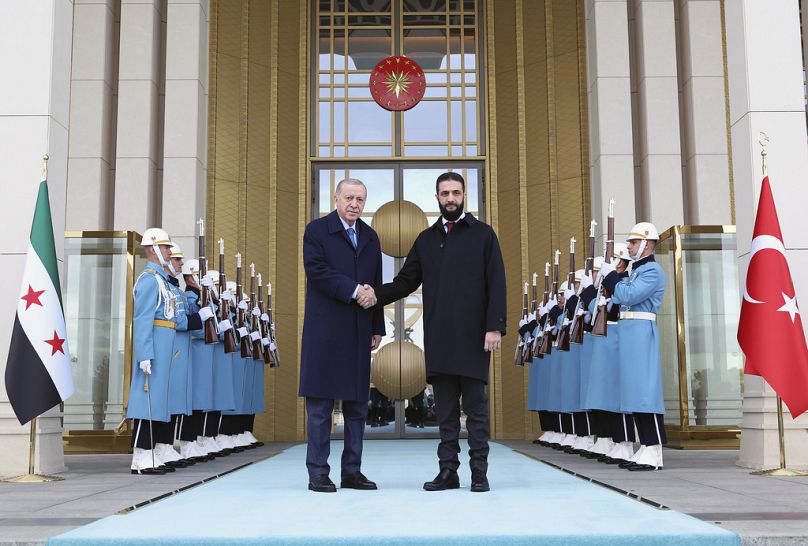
<point x="770" y="328"/>
<point x="38" y="374"/>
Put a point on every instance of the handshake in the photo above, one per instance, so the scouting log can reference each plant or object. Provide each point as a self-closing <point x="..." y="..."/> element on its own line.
<point x="365" y="296"/>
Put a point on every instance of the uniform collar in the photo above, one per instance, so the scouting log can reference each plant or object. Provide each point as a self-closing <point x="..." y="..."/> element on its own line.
<point x="192" y="289"/>
<point x="174" y="280"/>
<point x="648" y="259"/>
<point x="157" y="269"/>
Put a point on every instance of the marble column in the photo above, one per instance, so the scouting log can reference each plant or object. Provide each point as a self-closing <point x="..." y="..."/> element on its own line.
<point x="34" y="120"/>
<point x="611" y="152"/>
<point x="185" y="120"/>
<point x="657" y="114"/>
<point x="766" y="93"/>
<point x="136" y="201"/>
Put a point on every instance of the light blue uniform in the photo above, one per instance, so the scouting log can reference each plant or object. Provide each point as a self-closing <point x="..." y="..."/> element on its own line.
<point x="571" y="379"/>
<point x="180" y="394"/>
<point x="554" y="374"/>
<point x="223" y="394"/>
<point x="153" y="302"/>
<point x="601" y="390"/>
<point x="238" y="371"/>
<point x="202" y="359"/>
<point x="640" y="368"/>
<point x="533" y="369"/>
<point x="258" y="405"/>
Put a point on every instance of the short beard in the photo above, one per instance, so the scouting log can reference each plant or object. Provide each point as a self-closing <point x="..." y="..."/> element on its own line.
<point x="451" y="216"/>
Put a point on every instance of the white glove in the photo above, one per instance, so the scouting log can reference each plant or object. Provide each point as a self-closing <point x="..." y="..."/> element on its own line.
<point x="568" y="293"/>
<point x="205" y="313"/>
<point x="145" y="365"/>
<point x="226" y="295"/>
<point x="531" y="317"/>
<point x="566" y="322"/>
<point x="586" y="282"/>
<point x="264" y="341"/>
<point x="605" y="269"/>
<point x="552" y="303"/>
<point x="207" y="282"/>
<point x="243" y="305"/>
<point x="602" y="301"/>
<point x="255" y="336"/>
<point x="580" y="312"/>
<point x="543" y="311"/>
<point x="272" y="346"/>
<point x="256" y="312"/>
<point x="224" y="326"/>
<point x="522" y="323"/>
<point x="242" y="332"/>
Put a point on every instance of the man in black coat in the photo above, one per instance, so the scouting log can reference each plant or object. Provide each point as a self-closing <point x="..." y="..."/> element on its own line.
<point x="459" y="262"/>
<point x="341" y="254"/>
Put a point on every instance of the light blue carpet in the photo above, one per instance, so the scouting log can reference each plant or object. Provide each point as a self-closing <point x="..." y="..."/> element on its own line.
<point x="268" y="503"/>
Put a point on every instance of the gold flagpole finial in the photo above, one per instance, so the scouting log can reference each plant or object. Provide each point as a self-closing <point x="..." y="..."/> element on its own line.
<point x="763" y="140"/>
<point x="45" y="167"/>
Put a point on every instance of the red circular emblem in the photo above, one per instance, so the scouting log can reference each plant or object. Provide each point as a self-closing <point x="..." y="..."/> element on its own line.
<point x="397" y="83"/>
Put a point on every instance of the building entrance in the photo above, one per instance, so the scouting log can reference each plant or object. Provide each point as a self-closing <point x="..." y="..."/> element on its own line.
<point x="400" y="204"/>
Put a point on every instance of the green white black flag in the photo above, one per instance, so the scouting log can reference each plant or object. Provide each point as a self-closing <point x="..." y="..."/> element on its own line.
<point x="38" y="374"/>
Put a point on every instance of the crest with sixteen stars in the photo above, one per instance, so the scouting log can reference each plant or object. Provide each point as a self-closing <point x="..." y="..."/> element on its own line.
<point x="397" y="83"/>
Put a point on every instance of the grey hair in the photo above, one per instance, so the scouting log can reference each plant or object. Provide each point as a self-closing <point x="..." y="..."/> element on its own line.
<point x="350" y="182"/>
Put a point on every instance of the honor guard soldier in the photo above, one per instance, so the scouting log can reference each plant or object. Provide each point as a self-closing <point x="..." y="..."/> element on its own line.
<point x="223" y="393"/>
<point x="154" y="330"/>
<point x="202" y="358"/>
<point x="241" y="371"/>
<point x="639" y="297"/>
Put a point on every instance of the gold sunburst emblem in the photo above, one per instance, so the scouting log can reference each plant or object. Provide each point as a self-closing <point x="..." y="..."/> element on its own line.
<point x="397" y="82"/>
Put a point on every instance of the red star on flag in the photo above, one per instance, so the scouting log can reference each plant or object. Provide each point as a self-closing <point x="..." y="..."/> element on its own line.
<point x="32" y="297"/>
<point x="56" y="343"/>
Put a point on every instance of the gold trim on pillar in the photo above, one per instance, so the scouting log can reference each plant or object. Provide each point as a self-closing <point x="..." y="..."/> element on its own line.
<point x="730" y="171"/>
<point x="551" y="125"/>
<point x="213" y="78"/>
<point x="243" y="126"/>
<point x="304" y="166"/>
<point x="495" y="403"/>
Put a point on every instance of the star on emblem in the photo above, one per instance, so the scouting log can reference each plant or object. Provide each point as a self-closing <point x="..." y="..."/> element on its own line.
<point x="56" y="343"/>
<point x="397" y="82"/>
<point x="790" y="306"/>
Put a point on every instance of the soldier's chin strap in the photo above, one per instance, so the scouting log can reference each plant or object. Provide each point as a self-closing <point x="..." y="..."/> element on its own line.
<point x="640" y="250"/>
<point x="174" y="272"/>
<point x="156" y="248"/>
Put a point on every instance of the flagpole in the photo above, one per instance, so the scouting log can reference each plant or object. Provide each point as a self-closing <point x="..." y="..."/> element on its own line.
<point x="763" y="140"/>
<point x="32" y="477"/>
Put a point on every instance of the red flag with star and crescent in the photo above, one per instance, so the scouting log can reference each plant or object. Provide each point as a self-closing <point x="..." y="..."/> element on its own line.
<point x="770" y="328"/>
<point x="38" y="371"/>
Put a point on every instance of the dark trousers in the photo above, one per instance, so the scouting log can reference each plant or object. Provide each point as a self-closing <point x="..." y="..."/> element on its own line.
<point x="546" y="421"/>
<point x="210" y="423"/>
<point x="623" y="427"/>
<point x="318" y="428"/>
<point x="650" y="428"/>
<point x="580" y="421"/>
<point x="450" y="391"/>
<point x="187" y="428"/>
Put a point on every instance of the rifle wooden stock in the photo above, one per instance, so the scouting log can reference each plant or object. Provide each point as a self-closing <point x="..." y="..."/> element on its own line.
<point x="527" y="349"/>
<point x="563" y="342"/>
<point x="519" y="358"/>
<point x="244" y="342"/>
<point x="262" y="327"/>
<point x="547" y="340"/>
<point x="254" y="326"/>
<point x="599" y="327"/>
<point x="228" y="337"/>
<point x="204" y="297"/>
<point x="540" y="336"/>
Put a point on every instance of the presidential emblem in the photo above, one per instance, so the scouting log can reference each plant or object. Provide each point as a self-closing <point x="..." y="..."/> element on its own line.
<point x="397" y="83"/>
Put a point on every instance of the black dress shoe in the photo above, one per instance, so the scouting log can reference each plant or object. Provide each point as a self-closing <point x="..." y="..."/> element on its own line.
<point x="357" y="481"/>
<point x="446" y="479"/>
<point x="258" y="444"/>
<point x="165" y="468"/>
<point x="626" y="464"/>
<point x="322" y="484"/>
<point x="149" y="472"/>
<point x="176" y="464"/>
<point x="479" y="482"/>
<point x="634" y="467"/>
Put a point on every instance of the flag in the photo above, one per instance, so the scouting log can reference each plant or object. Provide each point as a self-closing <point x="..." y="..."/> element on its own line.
<point x="770" y="328"/>
<point x="38" y="374"/>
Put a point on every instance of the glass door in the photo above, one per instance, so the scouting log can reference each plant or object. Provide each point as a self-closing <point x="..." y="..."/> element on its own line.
<point x="401" y="202"/>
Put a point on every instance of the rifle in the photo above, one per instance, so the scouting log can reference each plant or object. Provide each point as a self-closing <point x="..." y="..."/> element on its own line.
<point x="273" y="342"/>
<point x="527" y="349"/>
<point x="563" y="343"/>
<point x="243" y="335"/>
<point x="537" y="341"/>
<point x="547" y="339"/>
<point x="255" y="336"/>
<point x="577" y="330"/>
<point x="210" y="327"/>
<point x="225" y="327"/>
<point x="599" y="316"/>
<point x="519" y="357"/>
<point x="262" y="327"/>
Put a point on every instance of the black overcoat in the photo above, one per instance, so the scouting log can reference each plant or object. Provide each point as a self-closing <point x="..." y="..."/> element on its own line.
<point x="337" y="332"/>
<point x="463" y="278"/>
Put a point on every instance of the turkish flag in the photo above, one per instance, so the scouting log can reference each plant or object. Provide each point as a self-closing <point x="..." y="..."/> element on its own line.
<point x="770" y="328"/>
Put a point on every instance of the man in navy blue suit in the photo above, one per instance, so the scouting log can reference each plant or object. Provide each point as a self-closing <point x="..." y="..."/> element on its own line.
<point x="342" y="258"/>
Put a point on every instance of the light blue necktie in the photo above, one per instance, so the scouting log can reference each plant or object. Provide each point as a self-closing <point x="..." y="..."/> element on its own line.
<point x="352" y="236"/>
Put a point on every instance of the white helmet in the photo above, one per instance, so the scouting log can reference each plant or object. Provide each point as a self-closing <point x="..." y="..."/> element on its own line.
<point x="621" y="251"/>
<point x="176" y="251"/>
<point x="213" y="275"/>
<point x="645" y="231"/>
<point x="597" y="263"/>
<point x="191" y="267"/>
<point x="563" y="287"/>
<point x="231" y="285"/>
<point x="579" y="275"/>
<point x="154" y="237"/>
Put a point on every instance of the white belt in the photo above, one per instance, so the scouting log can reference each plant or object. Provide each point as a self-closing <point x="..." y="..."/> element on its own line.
<point x="637" y="315"/>
<point x="611" y="322"/>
